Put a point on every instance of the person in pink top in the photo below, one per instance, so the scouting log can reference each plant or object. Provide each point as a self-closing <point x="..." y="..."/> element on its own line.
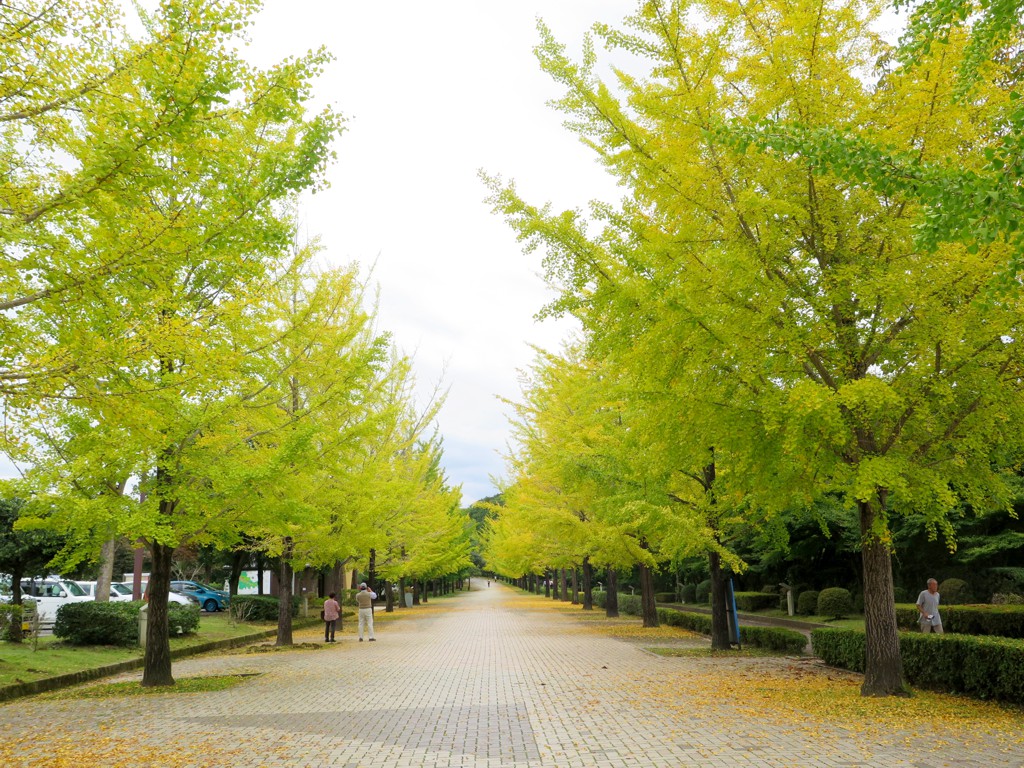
<point x="332" y="612"/>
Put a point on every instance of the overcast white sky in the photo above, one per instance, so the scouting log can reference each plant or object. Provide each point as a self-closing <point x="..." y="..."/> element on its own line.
<point x="434" y="92"/>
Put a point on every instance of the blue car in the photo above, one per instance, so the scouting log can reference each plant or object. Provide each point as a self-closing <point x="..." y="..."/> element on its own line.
<point x="210" y="599"/>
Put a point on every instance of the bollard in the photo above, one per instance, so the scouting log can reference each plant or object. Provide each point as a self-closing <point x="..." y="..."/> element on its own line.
<point x="143" y="622"/>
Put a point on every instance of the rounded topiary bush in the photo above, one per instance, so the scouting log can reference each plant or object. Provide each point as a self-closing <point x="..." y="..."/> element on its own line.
<point x="703" y="593"/>
<point x="900" y="595"/>
<point x="807" y="602"/>
<point x="770" y="589"/>
<point x="955" y="592"/>
<point x="835" y="603"/>
<point x="689" y="593"/>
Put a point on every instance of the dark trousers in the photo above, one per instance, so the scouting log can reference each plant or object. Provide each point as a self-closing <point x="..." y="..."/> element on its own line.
<point x="329" y="629"/>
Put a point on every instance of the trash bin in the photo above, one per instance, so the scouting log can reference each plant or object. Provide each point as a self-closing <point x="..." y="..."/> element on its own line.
<point x="143" y="620"/>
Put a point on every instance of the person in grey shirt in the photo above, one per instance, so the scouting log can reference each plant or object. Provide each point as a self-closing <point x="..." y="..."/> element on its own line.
<point x="928" y="607"/>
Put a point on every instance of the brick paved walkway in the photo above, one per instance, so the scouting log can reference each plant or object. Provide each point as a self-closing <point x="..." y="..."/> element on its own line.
<point x="489" y="678"/>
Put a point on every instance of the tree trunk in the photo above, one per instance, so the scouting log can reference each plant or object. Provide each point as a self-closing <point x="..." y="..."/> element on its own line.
<point x="389" y="597"/>
<point x="259" y="573"/>
<point x="238" y="560"/>
<point x="138" y="556"/>
<point x="547" y="583"/>
<point x="16" y="574"/>
<point x="588" y="585"/>
<point x="883" y="667"/>
<point x="371" y="570"/>
<point x="105" y="576"/>
<point x="401" y="592"/>
<point x="157" y="661"/>
<point x="611" y="600"/>
<point x="648" y="608"/>
<point x="284" y="595"/>
<point x="564" y="584"/>
<point x="575" y="588"/>
<point x="720" y="640"/>
<point x="423" y="585"/>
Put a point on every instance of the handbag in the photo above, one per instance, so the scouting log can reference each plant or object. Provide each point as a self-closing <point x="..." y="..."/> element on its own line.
<point x="321" y="614"/>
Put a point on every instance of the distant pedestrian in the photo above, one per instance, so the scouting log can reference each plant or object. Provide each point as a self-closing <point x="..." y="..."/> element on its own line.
<point x="364" y="599"/>
<point x="332" y="612"/>
<point x="928" y="607"/>
<point x="488" y="583"/>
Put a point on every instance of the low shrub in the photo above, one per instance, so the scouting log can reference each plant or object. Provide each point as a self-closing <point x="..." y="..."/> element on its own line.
<point x="10" y="622"/>
<point x="807" y="602"/>
<point x="770" y="589"/>
<point x="182" y="619"/>
<point x="260" y="607"/>
<point x="664" y="597"/>
<point x="629" y="604"/>
<point x="755" y="601"/>
<point x="1007" y="599"/>
<point x="835" y="603"/>
<point x="776" y="639"/>
<point x="983" y="620"/>
<point x="900" y="595"/>
<point x="695" y="622"/>
<point x="703" y="592"/>
<point x="842" y="648"/>
<point x="600" y="598"/>
<point x="92" y="623"/>
<point x="689" y="593"/>
<point x="955" y="592"/>
<point x="982" y="667"/>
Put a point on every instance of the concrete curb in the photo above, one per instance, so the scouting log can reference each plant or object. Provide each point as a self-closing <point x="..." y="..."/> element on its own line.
<point x="43" y="685"/>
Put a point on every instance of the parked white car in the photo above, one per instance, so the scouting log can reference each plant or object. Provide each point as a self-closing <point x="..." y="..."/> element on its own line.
<point x="50" y="594"/>
<point x="117" y="591"/>
<point x="172" y="596"/>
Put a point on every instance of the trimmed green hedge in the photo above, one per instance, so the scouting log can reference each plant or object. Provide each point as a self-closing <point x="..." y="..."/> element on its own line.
<point x="116" y="622"/>
<point x="664" y="597"/>
<point x="988" y="620"/>
<point x="755" y="601"/>
<point x="630" y="604"/>
<point x="773" y="638"/>
<point x="695" y="622"/>
<point x="689" y="593"/>
<point x="982" y="667"/>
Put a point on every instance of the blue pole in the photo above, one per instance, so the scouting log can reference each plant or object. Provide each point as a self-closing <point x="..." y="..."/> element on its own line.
<point x="734" y="615"/>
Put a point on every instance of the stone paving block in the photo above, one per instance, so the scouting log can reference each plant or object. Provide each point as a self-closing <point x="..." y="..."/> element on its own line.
<point x="473" y="682"/>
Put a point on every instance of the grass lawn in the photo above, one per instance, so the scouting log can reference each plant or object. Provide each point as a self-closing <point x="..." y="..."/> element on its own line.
<point x="19" y="663"/>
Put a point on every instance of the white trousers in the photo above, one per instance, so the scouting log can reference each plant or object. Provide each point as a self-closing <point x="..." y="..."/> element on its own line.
<point x="366" y="620"/>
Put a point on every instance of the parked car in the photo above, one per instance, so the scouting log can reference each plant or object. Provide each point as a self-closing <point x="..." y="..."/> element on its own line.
<point x="210" y="598"/>
<point x="117" y="592"/>
<point x="50" y="594"/>
<point x="173" y="596"/>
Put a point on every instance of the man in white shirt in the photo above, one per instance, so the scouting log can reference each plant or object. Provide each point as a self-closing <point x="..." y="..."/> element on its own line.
<point x="364" y="599"/>
<point x="928" y="607"/>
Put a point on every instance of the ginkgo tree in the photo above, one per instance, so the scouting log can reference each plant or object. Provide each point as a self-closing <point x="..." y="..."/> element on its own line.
<point x="865" y="367"/>
<point x="164" y="342"/>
